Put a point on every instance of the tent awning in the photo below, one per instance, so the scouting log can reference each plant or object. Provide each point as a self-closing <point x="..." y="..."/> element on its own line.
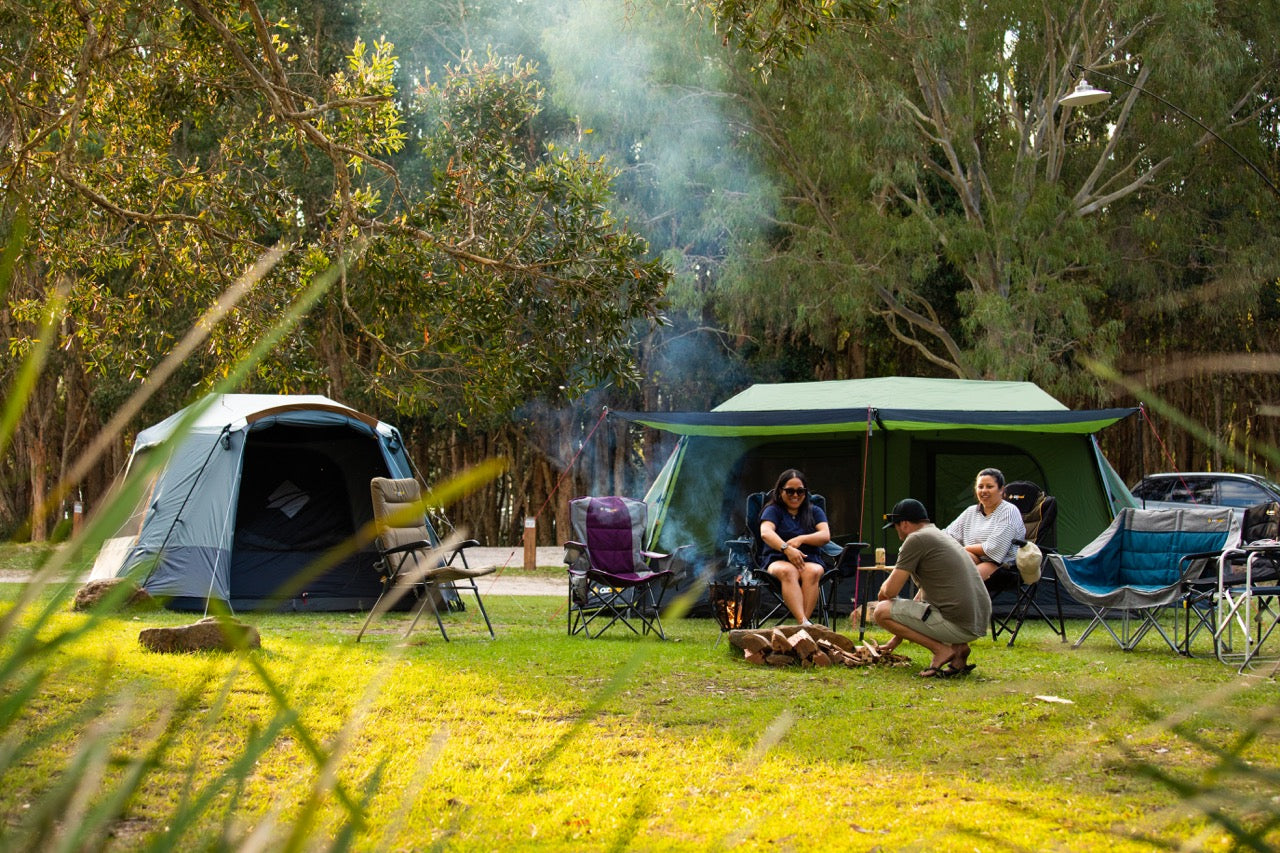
<point x="800" y="422"/>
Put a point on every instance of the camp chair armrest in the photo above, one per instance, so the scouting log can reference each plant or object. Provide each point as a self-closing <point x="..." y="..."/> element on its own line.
<point x="1044" y="549"/>
<point x="419" y="545"/>
<point x="1201" y="555"/>
<point x="675" y="562"/>
<point x="846" y="556"/>
<point x="1185" y="561"/>
<point x="458" y="551"/>
<point x="1257" y="547"/>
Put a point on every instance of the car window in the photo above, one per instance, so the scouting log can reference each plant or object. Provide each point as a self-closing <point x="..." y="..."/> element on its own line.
<point x="1240" y="493"/>
<point x="1153" y="489"/>
<point x="1192" y="490"/>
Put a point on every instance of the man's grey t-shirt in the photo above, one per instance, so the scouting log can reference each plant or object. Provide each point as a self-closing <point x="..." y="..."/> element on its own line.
<point x="941" y="567"/>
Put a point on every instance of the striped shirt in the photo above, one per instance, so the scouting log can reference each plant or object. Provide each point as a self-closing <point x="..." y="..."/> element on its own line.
<point x="994" y="532"/>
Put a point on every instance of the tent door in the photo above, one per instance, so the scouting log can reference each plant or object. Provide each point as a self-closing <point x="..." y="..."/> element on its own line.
<point x="304" y="491"/>
<point x="949" y="469"/>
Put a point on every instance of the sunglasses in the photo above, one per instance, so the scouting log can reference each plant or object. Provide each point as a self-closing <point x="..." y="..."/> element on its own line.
<point x="795" y="492"/>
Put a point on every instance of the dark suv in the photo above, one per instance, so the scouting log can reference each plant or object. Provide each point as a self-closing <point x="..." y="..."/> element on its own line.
<point x="1210" y="489"/>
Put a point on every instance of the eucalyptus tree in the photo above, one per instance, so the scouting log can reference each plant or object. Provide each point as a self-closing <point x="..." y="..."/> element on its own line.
<point x="775" y="32"/>
<point x="937" y="195"/>
<point x="511" y="278"/>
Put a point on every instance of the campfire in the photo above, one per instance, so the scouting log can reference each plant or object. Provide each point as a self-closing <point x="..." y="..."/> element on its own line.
<point x="733" y="603"/>
<point x="810" y="645"/>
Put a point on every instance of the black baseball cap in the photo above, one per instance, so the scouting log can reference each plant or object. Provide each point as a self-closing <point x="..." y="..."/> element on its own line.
<point x="907" y="509"/>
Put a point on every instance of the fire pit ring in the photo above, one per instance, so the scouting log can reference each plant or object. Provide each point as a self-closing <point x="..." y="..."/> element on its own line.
<point x="733" y="603"/>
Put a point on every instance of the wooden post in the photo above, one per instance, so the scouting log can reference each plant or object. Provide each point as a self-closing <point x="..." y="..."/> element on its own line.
<point x="530" y="543"/>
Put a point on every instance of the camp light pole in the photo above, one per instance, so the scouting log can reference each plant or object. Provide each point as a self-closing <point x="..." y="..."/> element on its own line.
<point x="1084" y="94"/>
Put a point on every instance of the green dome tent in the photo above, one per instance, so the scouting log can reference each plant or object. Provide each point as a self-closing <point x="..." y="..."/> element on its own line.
<point x="256" y="505"/>
<point x="865" y="443"/>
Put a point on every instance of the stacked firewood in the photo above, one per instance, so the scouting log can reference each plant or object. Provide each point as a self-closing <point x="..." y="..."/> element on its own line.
<point x="809" y="645"/>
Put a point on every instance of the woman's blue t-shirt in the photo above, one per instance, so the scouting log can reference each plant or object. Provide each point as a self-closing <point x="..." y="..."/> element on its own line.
<point x="787" y="525"/>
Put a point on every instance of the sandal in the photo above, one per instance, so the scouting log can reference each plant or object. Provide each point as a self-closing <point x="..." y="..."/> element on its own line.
<point x="938" y="671"/>
<point x="952" y="670"/>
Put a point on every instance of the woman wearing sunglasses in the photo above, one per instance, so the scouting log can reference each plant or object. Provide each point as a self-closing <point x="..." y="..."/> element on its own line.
<point x="793" y="531"/>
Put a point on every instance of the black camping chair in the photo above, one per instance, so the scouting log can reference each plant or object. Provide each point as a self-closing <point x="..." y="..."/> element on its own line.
<point x="412" y="559"/>
<point x="746" y="552"/>
<point x="1040" y="518"/>
<point x="1239" y="605"/>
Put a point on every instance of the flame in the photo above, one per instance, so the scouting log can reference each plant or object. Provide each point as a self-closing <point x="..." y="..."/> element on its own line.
<point x="729" y="603"/>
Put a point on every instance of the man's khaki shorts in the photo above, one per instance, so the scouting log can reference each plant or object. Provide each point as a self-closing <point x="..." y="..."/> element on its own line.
<point x="926" y="619"/>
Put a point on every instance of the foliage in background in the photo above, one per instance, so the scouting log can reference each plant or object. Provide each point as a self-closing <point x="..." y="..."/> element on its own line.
<point x="938" y="192"/>
<point x="908" y="197"/>
<point x="540" y="293"/>
<point x="158" y="149"/>
<point x="776" y="32"/>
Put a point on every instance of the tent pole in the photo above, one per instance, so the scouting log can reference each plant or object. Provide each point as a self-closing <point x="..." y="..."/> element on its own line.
<point x="228" y="519"/>
<point x="862" y="514"/>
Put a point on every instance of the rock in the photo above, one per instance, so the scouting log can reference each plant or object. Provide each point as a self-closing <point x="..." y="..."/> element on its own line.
<point x="210" y="634"/>
<point x="91" y="595"/>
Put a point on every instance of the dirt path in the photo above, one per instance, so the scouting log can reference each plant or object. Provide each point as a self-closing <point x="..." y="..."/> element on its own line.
<point x="501" y="582"/>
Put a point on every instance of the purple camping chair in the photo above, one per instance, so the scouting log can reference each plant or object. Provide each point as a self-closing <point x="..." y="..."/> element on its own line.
<point x="612" y="579"/>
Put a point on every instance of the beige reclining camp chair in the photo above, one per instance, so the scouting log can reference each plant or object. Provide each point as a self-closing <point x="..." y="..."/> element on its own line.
<point x="411" y="558"/>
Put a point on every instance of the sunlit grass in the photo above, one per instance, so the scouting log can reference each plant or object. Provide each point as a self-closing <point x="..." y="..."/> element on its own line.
<point x="452" y="739"/>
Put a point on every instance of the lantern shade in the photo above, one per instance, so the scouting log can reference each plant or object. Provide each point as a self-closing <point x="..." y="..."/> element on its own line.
<point x="1084" y="94"/>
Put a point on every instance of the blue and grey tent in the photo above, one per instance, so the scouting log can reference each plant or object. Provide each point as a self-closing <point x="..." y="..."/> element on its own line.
<point x="865" y="443"/>
<point x="256" y="504"/>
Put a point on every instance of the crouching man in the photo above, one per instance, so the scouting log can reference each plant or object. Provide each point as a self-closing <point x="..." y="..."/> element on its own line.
<point x="952" y="606"/>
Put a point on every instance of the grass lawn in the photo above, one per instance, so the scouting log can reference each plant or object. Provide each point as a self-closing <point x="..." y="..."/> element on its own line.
<point x="541" y="741"/>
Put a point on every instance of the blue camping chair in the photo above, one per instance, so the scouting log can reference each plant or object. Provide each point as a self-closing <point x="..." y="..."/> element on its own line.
<point x="1140" y="564"/>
